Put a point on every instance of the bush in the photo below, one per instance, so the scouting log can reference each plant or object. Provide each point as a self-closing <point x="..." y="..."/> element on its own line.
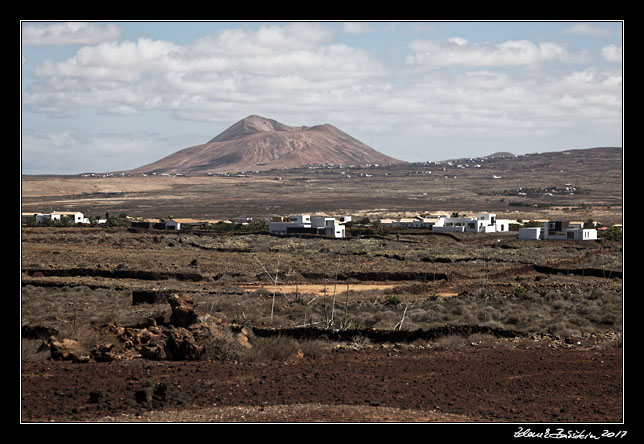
<point x="613" y="234"/>
<point x="392" y="299"/>
<point x="519" y="291"/>
<point x="276" y="348"/>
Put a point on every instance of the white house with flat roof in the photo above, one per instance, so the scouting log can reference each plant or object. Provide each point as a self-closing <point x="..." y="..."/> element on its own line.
<point x="304" y="223"/>
<point x="557" y="230"/>
<point x="481" y="223"/>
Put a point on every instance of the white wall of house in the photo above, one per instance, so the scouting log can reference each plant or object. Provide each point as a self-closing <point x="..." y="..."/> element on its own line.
<point x="529" y="233"/>
<point x="589" y="234"/>
<point x="581" y="234"/>
<point x="300" y="219"/>
<point x="448" y="229"/>
<point x="336" y="230"/>
<point x="322" y="221"/>
<point x="502" y="225"/>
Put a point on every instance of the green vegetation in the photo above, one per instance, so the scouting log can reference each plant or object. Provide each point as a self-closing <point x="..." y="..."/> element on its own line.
<point x="392" y="299"/>
<point x="612" y="234"/>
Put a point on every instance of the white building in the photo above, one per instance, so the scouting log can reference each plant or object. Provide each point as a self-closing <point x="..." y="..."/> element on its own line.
<point x="41" y="217"/>
<point x="558" y="231"/>
<point x="298" y="223"/>
<point x="561" y="231"/>
<point x="482" y="223"/>
<point x="76" y="216"/>
<point x="331" y="226"/>
<point x="304" y="223"/>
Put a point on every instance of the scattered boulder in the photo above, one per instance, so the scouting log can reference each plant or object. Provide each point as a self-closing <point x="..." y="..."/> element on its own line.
<point x="181" y="345"/>
<point x="143" y="395"/>
<point x="243" y="335"/>
<point x="152" y="395"/>
<point x="96" y="396"/>
<point x="103" y="352"/>
<point x="67" y="350"/>
<point x="242" y="339"/>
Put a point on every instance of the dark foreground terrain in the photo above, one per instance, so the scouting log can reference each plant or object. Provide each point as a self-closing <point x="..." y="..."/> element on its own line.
<point x="377" y="384"/>
<point x="403" y="327"/>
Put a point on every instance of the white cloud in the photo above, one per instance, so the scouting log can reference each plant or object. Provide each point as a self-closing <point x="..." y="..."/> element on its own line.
<point x="73" y="152"/>
<point x="458" y="51"/>
<point x="69" y="33"/>
<point x="356" y="27"/>
<point x="588" y="29"/>
<point x="612" y="53"/>
<point x="300" y="75"/>
<point x="272" y="64"/>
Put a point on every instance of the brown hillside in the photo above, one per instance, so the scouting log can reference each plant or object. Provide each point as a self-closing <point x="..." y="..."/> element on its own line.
<point x="257" y="143"/>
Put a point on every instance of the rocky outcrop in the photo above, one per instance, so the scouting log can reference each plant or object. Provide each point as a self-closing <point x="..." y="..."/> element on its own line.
<point x="183" y="310"/>
<point x="181" y="336"/>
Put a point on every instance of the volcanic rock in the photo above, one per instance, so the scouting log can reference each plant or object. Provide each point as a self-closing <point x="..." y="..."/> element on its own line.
<point x="67" y="350"/>
<point x="183" y="310"/>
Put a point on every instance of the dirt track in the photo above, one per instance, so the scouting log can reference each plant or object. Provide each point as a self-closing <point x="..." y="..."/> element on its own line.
<point x="487" y="384"/>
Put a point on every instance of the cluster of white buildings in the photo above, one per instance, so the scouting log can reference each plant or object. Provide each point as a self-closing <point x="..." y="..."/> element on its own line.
<point x="558" y="231"/>
<point x="481" y="223"/>
<point x="304" y="223"/>
<point x="76" y="216"/>
<point x="334" y="227"/>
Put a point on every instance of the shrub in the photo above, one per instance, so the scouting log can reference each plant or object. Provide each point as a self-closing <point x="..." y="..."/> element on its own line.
<point x="392" y="299"/>
<point x="450" y="343"/>
<point x="276" y="348"/>
<point x="519" y="291"/>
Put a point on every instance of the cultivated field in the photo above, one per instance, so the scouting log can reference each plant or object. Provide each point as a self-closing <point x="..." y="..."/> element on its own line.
<point x="403" y="326"/>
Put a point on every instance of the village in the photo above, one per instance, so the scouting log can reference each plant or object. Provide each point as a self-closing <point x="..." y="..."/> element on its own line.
<point x="336" y="226"/>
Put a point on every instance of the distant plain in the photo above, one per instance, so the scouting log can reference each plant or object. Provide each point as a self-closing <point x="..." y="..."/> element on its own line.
<point x="465" y="186"/>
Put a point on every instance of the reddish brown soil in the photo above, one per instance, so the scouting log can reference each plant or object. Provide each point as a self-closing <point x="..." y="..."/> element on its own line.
<point x="492" y="384"/>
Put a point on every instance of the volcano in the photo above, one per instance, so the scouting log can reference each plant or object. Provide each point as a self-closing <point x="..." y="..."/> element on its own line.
<point x="258" y="144"/>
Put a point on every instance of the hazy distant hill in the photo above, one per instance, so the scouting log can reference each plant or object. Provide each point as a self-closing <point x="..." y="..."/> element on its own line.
<point x="257" y="143"/>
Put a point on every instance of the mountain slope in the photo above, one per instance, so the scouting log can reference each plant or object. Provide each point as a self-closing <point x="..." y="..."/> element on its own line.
<point x="258" y="143"/>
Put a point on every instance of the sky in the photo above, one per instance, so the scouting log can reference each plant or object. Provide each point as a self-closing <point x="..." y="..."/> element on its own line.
<point x="108" y="96"/>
